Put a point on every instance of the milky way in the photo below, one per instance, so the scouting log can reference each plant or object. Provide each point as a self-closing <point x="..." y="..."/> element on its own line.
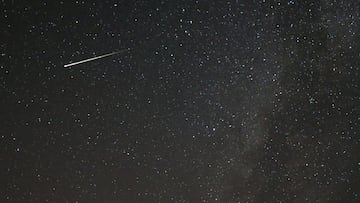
<point x="212" y="101"/>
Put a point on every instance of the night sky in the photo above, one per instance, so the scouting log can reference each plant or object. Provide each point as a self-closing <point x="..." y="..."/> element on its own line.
<point x="213" y="101"/>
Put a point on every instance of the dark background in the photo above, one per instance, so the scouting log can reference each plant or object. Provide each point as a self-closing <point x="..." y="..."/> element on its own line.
<point x="226" y="101"/>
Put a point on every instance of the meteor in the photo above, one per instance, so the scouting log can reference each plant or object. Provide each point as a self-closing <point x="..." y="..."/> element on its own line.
<point x="94" y="58"/>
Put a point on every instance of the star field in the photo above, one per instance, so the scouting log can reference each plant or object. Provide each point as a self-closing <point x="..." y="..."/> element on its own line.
<point x="215" y="101"/>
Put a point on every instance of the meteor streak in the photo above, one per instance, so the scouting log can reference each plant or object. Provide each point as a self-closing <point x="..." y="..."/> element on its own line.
<point x="94" y="58"/>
